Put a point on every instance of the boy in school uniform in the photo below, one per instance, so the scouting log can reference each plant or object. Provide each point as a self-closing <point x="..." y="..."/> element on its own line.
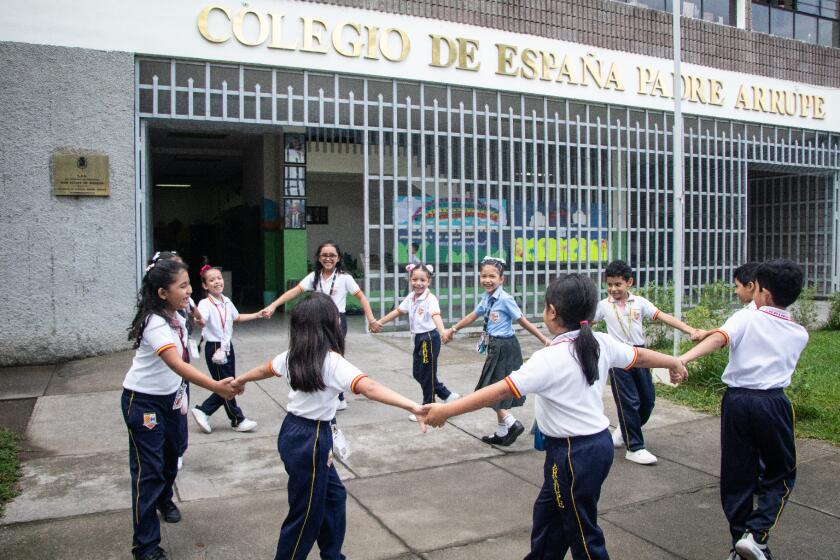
<point x="623" y="312"/>
<point x="757" y="423"/>
<point x="744" y="277"/>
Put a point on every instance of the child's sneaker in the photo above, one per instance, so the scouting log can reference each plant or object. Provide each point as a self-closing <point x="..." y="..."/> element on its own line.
<point x="412" y="417"/>
<point x="202" y="420"/>
<point x="453" y="396"/>
<point x="245" y="426"/>
<point x="342" y="404"/>
<point x="618" y="440"/>
<point x="180" y="462"/>
<point x="751" y="550"/>
<point x="641" y="456"/>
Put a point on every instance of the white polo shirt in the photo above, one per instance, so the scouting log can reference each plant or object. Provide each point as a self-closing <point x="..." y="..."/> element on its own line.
<point x="337" y="286"/>
<point x="764" y="346"/>
<point x="421" y="311"/>
<point x="339" y="376"/>
<point x="219" y="317"/>
<point x="148" y="373"/>
<point x="626" y="324"/>
<point x="565" y="405"/>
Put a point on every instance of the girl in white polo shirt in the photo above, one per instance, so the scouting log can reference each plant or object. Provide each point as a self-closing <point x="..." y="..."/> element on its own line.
<point x="219" y="315"/>
<point x="424" y="321"/>
<point x="154" y="399"/>
<point x="567" y="379"/>
<point x="316" y="372"/>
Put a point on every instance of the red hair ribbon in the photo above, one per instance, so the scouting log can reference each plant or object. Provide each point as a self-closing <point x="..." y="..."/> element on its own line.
<point x="204" y="269"/>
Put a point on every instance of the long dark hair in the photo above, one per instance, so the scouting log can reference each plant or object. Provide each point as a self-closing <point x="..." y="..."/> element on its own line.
<point x="339" y="268"/>
<point x="314" y="330"/>
<point x="160" y="274"/>
<point x="575" y="297"/>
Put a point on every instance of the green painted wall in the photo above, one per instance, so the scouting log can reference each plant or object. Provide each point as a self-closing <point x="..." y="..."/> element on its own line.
<point x="294" y="258"/>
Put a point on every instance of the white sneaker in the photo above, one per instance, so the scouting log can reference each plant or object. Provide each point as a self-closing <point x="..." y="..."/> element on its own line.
<point x="245" y="426"/>
<point x="618" y="440"/>
<point x="453" y="396"/>
<point x="748" y="549"/>
<point x="342" y="405"/>
<point x="202" y="420"/>
<point x="180" y="463"/>
<point x="412" y="417"/>
<point x="642" y="457"/>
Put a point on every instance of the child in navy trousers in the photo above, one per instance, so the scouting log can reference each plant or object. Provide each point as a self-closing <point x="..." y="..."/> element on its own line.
<point x="316" y="372"/>
<point x="154" y="401"/>
<point x="568" y="380"/>
<point x="424" y="321"/>
<point x="757" y="423"/>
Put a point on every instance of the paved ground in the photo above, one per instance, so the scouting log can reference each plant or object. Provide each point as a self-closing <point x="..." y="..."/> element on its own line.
<point x="441" y="496"/>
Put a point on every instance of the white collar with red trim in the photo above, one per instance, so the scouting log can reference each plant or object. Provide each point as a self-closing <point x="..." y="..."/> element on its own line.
<point x="567" y="336"/>
<point x="776" y="312"/>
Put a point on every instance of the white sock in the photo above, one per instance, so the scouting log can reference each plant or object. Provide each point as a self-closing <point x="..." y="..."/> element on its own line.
<point x="502" y="429"/>
<point x="509" y="420"/>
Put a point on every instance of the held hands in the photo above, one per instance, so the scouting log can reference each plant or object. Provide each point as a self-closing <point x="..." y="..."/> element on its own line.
<point x="678" y="372"/>
<point x="420" y="413"/>
<point x="698" y="334"/>
<point x="448" y="335"/>
<point x="375" y="326"/>
<point x="434" y="415"/>
<point x="267" y="312"/>
<point x="228" y="388"/>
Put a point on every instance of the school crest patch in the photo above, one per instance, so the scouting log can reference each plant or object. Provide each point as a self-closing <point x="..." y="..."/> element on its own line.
<point x="149" y="420"/>
<point x="494" y="316"/>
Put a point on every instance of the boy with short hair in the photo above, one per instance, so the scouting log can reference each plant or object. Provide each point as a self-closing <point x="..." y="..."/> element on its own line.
<point x="632" y="389"/>
<point x="744" y="277"/>
<point x="757" y="425"/>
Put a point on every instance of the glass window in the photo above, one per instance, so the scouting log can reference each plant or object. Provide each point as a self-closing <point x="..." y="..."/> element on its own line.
<point x="828" y="8"/>
<point x="808" y="7"/>
<point x="806" y="28"/>
<point x="829" y="33"/>
<point x="781" y="23"/>
<point x="716" y="11"/>
<point x="760" y="18"/>
<point x="655" y="4"/>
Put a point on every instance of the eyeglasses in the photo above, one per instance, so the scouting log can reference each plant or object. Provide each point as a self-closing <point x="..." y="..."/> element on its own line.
<point x="328" y="255"/>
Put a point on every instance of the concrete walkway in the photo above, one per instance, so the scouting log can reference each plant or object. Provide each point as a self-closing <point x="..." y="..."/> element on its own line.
<point x="444" y="495"/>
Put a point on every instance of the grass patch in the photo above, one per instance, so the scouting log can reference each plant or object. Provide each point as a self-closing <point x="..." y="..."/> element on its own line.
<point x="814" y="389"/>
<point x="9" y="467"/>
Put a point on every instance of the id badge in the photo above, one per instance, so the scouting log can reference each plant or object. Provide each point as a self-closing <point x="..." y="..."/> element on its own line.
<point x="181" y="399"/>
<point x="193" y="348"/>
<point x="340" y="446"/>
<point x="481" y="345"/>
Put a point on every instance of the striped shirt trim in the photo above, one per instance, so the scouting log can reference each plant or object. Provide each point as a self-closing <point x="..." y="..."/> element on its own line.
<point x="164" y="348"/>
<point x="512" y="386"/>
<point x="271" y="368"/>
<point x="355" y="382"/>
<point x="725" y="336"/>
<point x="655" y="315"/>
<point x="436" y="313"/>
<point x="632" y="364"/>
<point x="357" y="292"/>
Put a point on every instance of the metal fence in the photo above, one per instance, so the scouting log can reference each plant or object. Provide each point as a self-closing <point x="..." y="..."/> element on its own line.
<point x="551" y="184"/>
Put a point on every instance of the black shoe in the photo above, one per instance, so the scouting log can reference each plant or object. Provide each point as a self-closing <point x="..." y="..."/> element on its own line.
<point x="157" y="554"/>
<point x="169" y="512"/>
<point x="495" y="439"/>
<point x="513" y="432"/>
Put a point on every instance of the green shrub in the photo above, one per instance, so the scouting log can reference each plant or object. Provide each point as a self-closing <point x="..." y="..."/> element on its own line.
<point x="834" y="312"/>
<point x="804" y="310"/>
<point x="657" y="334"/>
<point x="9" y="467"/>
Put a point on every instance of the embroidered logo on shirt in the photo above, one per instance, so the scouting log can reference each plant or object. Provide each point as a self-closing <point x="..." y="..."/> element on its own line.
<point x="420" y="311"/>
<point x="150" y="420"/>
<point x="635" y="314"/>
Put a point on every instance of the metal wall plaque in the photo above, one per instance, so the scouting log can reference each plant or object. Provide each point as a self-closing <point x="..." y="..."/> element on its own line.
<point x="81" y="174"/>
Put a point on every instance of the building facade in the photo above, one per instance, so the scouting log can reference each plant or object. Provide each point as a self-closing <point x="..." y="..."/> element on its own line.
<point x="443" y="131"/>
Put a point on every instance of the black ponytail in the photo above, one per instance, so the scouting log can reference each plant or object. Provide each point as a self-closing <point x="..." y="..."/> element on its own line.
<point x="575" y="297"/>
<point x="160" y="274"/>
<point x="314" y="330"/>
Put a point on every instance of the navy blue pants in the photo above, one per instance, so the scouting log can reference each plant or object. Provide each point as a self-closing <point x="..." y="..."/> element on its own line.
<point x="218" y="372"/>
<point x="566" y="510"/>
<point x="317" y="499"/>
<point x="153" y="444"/>
<point x="756" y="428"/>
<point x="426" y="351"/>
<point x="634" y="397"/>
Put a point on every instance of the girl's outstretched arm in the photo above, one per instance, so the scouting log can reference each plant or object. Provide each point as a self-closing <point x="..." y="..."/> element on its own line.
<point x="437" y="414"/>
<point x="529" y="326"/>
<point x="377" y="392"/>
<point x="262" y="371"/>
<point x="468" y="320"/>
<point x="363" y="301"/>
<point x="439" y="325"/>
<point x="288" y="295"/>
<point x="376" y="326"/>
<point x="242" y="317"/>
<point x="222" y="388"/>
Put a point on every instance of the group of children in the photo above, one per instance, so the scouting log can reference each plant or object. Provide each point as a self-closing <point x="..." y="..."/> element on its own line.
<point x="566" y="377"/>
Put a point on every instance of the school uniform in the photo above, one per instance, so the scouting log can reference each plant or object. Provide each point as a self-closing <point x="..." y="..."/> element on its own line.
<point x="632" y="389"/>
<point x="337" y="286"/>
<point x="152" y="412"/>
<point x="757" y="422"/>
<point x="219" y="316"/>
<point x="504" y="354"/>
<point x="317" y="498"/>
<point x="578" y="446"/>
<point x="421" y="311"/>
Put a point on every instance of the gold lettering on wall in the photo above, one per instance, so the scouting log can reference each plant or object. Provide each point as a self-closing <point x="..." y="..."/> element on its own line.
<point x="204" y="25"/>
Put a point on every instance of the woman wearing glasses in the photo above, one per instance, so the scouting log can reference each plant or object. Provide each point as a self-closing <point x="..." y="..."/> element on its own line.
<point x="330" y="279"/>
